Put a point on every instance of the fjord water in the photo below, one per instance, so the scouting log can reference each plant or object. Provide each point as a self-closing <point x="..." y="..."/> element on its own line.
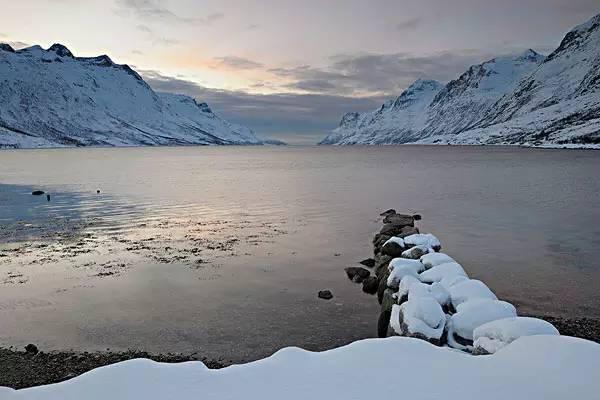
<point x="248" y="235"/>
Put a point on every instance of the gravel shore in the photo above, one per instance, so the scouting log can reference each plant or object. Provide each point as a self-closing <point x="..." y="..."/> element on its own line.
<point x="22" y="369"/>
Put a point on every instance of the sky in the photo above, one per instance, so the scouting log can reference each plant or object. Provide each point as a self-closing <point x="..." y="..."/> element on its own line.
<point x="290" y="69"/>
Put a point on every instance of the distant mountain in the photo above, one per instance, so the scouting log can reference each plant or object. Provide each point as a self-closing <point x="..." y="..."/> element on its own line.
<point x="50" y="98"/>
<point x="526" y="99"/>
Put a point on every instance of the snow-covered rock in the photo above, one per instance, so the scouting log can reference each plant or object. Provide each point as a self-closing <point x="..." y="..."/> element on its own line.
<point x="411" y="287"/>
<point x="470" y="289"/>
<point x="441" y="271"/>
<point x="491" y="337"/>
<point x="426" y="240"/>
<point x="432" y="259"/>
<point x="49" y="98"/>
<point x="526" y="99"/>
<point x="401" y="267"/>
<point x="451" y="280"/>
<point x="420" y="317"/>
<point x="534" y="367"/>
<point x="473" y="314"/>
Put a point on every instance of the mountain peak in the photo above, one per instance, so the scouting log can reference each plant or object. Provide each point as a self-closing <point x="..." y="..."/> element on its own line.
<point x="6" y="47"/>
<point x="530" y="55"/>
<point x="577" y="36"/>
<point x="61" y="50"/>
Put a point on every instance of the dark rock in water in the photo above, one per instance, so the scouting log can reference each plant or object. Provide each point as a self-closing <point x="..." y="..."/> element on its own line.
<point x="325" y="294"/>
<point x="98" y="191"/>
<point x="417" y="217"/>
<point x="369" y="262"/>
<point x="31" y="349"/>
<point x="388" y="212"/>
<point x="370" y="285"/>
<point x="382" y="285"/>
<point x="386" y="312"/>
<point x="357" y="274"/>
<point x="37" y="192"/>
<point x="381" y="239"/>
<point x="399" y="219"/>
<point x="390" y="230"/>
<point x="48" y="197"/>
<point x="392" y="249"/>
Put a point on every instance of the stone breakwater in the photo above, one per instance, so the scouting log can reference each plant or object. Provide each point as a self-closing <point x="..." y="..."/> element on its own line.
<point x="426" y="294"/>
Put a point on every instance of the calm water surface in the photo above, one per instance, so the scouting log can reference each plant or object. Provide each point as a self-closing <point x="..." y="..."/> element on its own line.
<point x="222" y="250"/>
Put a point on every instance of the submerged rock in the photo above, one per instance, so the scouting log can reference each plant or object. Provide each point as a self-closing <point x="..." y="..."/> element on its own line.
<point x="325" y="294"/>
<point x="368" y="262"/>
<point x="357" y="274"/>
<point x="38" y="192"/>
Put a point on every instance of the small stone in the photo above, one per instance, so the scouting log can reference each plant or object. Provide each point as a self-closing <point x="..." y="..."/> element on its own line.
<point x="325" y="294"/>
<point x="31" y="349"/>
<point x="37" y="192"/>
<point x="368" y="262"/>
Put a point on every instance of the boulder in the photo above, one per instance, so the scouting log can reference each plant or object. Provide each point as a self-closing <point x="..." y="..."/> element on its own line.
<point x="469" y="289"/>
<point x="357" y="274"/>
<point x="37" y="192"/>
<point x="382" y="285"/>
<point x="473" y="314"/>
<point x="421" y="318"/>
<point x="381" y="264"/>
<point x="401" y="267"/>
<point x="399" y="220"/>
<point x="393" y="247"/>
<point x="325" y="294"/>
<point x="370" y="285"/>
<point x="383" y="323"/>
<point x="430" y="260"/>
<point x="439" y="272"/>
<point x="388" y="212"/>
<point x="415" y="253"/>
<point x="491" y="337"/>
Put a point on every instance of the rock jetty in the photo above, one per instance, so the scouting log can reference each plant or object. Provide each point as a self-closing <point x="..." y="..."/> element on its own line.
<point x="427" y="294"/>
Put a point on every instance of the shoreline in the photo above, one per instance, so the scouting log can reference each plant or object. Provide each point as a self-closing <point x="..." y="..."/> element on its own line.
<point x="22" y="369"/>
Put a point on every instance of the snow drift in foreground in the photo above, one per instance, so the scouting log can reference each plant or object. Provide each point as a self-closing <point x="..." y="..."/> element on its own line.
<point x="533" y="367"/>
<point x="527" y="99"/>
<point x="50" y="98"/>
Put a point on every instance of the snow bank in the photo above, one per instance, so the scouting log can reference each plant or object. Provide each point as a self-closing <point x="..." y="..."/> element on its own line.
<point x="469" y="290"/>
<point x="441" y="271"/>
<point x="401" y="267"/>
<point x="492" y="336"/>
<point x="535" y="367"/>
<point x="432" y="259"/>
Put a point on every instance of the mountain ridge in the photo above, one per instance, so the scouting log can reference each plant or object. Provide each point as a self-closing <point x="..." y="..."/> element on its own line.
<point x="524" y="99"/>
<point x="92" y="101"/>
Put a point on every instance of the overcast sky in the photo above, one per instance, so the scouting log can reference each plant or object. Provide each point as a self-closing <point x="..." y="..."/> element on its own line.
<point x="289" y="69"/>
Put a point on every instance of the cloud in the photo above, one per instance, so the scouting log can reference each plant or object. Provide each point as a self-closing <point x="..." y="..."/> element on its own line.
<point x="156" y="10"/>
<point x="305" y="117"/>
<point x="409" y="24"/>
<point x="155" y="38"/>
<point x="235" y="62"/>
<point x="378" y="74"/>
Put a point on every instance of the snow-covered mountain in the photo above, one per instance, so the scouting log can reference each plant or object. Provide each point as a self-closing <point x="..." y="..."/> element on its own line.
<point x="524" y="99"/>
<point x="50" y="98"/>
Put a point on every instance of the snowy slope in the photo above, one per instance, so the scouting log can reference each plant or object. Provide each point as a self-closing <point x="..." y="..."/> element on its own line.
<point x="397" y="121"/>
<point x="534" y="367"/>
<point x="526" y="99"/>
<point x="51" y="98"/>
